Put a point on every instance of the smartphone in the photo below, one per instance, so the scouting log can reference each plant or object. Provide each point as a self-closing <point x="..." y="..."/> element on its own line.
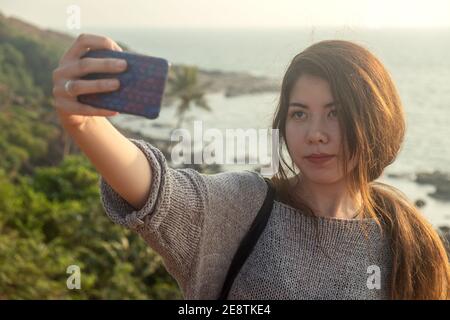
<point x="141" y="88"/>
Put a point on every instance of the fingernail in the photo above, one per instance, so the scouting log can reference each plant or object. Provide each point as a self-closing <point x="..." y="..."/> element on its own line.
<point x="113" y="83"/>
<point x="121" y="63"/>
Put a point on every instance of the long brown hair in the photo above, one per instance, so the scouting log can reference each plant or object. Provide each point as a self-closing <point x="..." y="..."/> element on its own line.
<point x="372" y="120"/>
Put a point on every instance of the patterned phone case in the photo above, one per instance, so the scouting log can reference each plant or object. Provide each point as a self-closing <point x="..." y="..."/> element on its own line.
<point x="141" y="84"/>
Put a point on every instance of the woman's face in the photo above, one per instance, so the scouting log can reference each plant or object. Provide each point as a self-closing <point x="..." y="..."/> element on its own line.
<point x="312" y="126"/>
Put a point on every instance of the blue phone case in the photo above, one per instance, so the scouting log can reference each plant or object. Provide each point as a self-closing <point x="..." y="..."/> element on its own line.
<point x="141" y="84"/>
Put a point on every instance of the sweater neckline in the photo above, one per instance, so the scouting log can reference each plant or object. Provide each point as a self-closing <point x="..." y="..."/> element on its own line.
<point x="320" y="218"/>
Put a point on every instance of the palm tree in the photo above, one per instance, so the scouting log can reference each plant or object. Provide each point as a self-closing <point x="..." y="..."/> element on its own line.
<point x="184" y="87"/>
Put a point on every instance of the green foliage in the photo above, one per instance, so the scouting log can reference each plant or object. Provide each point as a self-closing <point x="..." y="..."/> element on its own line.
<point x="13" y="71"/>
<point x="73" y="179"/>
<point x="51" y="216"/>
<point x="31" y="54"/>
<point x="24" y="139"/>
<point x="42" y="234"/>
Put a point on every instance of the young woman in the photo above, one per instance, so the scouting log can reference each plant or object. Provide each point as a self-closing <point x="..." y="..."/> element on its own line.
<point x="333" y="233"/>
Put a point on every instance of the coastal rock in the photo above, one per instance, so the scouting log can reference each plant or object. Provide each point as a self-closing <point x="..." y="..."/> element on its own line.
<point x="236" y="83"/>
<point x="231" y="84"/>
<point x="419" y="203"/>
<point x="407" y="176"/>
<point x="441" y="180"/>
<point x="432" y="177"/>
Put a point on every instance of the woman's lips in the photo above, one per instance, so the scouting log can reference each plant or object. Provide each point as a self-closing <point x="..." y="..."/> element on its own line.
<point x="319" y="160"/>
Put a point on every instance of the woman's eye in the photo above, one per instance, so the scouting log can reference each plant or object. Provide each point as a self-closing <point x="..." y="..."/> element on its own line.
<point x="294" y="113"/>
<point x="335" y="112"/>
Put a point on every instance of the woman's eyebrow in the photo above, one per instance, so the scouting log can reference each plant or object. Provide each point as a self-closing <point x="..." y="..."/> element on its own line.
<point x="301" y="105"/>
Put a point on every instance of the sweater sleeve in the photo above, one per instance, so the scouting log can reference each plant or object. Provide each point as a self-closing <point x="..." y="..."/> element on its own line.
<point x="172" y="220"/>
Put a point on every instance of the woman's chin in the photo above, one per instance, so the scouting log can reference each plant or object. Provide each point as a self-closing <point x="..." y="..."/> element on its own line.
<point x="320" y="177"/>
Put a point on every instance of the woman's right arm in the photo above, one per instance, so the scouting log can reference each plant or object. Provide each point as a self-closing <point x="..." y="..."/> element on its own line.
<point x="184" y="215"/>
<point x="119" y="161"/>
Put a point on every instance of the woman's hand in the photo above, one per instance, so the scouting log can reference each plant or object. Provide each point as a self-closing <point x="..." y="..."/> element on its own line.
<point x="71" y="67"/>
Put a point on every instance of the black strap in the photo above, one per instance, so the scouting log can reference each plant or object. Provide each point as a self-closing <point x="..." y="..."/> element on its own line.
<point x="249" y="240"/>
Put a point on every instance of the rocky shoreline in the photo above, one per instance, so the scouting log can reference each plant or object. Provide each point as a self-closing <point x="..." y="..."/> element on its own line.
<point x="231" y="84"/>
<point x="236" y="83"/>
<point x="440" y="180"/>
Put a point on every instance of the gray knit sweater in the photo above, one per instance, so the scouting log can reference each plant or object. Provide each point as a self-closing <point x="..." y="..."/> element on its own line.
<point x="196" y="221"/>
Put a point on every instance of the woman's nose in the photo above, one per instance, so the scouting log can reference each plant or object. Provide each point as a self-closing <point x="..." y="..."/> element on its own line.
<point x="317" y="137"/>
<point x="317" y="133"/>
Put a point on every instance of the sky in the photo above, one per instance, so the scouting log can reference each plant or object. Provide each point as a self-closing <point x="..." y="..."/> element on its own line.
<point x="233" y="13"/>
